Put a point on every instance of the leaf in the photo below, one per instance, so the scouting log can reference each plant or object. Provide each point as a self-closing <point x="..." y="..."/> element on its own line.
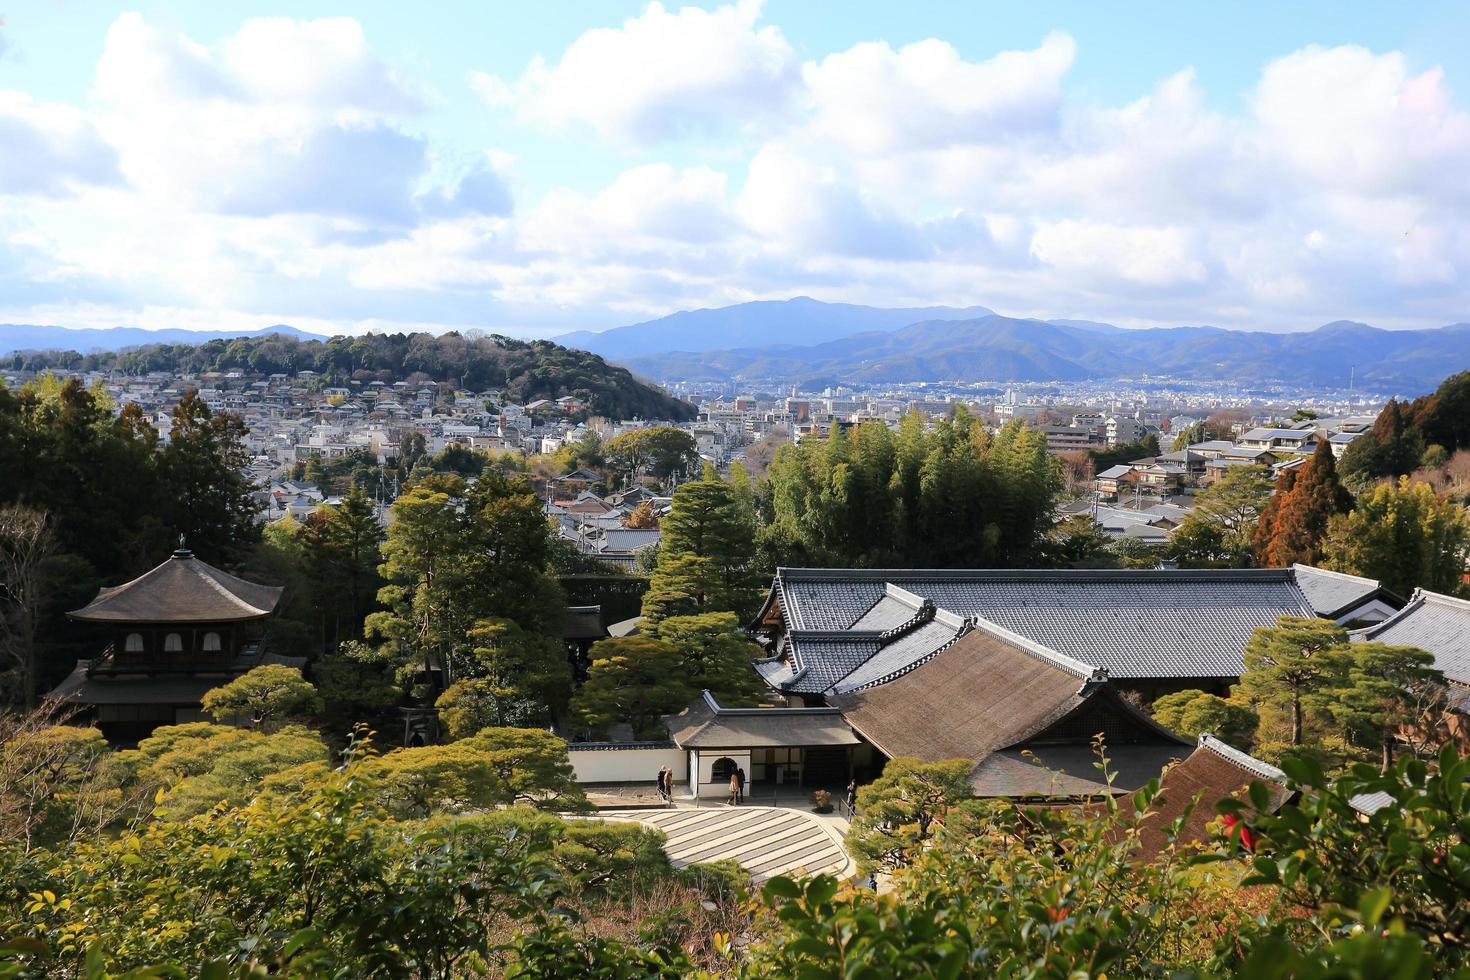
<point x="780" y="887"/>
<point x="1372" y="904"/>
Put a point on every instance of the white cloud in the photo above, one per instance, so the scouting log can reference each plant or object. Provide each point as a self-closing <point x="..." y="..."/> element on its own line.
<point x="874" y="99"/>
<point x="663" y="73"/>
<point x="1110" y="254"/>
<point x="49" y="148"/>
<point x="281" y="117"/>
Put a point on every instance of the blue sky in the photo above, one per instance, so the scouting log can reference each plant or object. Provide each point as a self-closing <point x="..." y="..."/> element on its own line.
<point x="533" y="168"/>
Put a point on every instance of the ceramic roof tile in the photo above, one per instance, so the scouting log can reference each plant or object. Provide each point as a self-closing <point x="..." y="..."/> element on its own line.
<point x="1433" y="622"/>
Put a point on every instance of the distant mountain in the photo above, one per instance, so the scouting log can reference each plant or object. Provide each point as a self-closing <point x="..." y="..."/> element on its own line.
<point x="14" y="337"/>
<point x="999" y="348"/>
<point x="802" y="320"/>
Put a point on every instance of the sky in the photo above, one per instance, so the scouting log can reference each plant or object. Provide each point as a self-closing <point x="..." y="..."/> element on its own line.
<point x="535" y="168"/>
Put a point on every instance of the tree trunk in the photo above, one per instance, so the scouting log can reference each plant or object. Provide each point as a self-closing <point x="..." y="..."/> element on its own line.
<point x="1387" y="752"/>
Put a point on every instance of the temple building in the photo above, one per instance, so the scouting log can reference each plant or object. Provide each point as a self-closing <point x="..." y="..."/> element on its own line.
<point x="176" y="632"/>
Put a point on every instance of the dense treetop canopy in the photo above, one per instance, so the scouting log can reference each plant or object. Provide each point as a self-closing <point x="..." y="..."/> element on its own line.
<point x="524" y="370"/>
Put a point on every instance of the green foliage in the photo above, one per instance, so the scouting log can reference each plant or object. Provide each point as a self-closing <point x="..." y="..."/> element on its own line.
<point x="1406" y="862"/>
<point x="517" y="679"/>
<point x="1220" y="530"/>
<point x="1403" y="535"/>
<point x="1125" y="452"/>
<point x="1294" y="666"/>
<point x="264" y="697"/>
<point x="953" y="497"/>
<point x="532" y="767"/>
<point x="659" y="451"/>
<point x="457" y="558"/>
<point x="324" y="886"/>
<point x="1386" y="688"/>
<point x="633" y="680"/>
<point x="1192" y="713"/>
<point x="1078" y="542"/>
<point x="202" y="765"/>
<point x="900" y="811"/>
<point x="50" y="778"/>
<point x="1393" y="447"/>
<point x="705" y="555"/>
<point x="204" y="468"/>
<point x="717" y="656"/>
<point x="525" y="370"/>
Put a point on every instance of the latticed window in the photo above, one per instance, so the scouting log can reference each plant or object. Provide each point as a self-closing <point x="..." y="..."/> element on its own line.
<point x="211" y="643"/>
<point x="173" y="643"/>
<point x="133" y="643"/>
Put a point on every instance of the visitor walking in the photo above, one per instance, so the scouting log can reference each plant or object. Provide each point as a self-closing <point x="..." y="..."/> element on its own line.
<point x="851" y="796"/>
<point x="734" y="788"/>
<point x="740" y="779"/>
<point x="663" y="783"/>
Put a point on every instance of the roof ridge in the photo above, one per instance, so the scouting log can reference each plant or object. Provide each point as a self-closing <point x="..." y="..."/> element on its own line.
<point x="1334" y="574"/>
<point x="891" y="575"/>
<point x="1069" y="664"/>
<point x="1245" y="760"/>
<point x="894" y="675"/>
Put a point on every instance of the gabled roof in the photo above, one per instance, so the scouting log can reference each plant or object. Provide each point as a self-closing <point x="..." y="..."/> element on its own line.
<point x="1185" y="623"/>
<point x="1335" y="594"/>
<point x="996" y="698"/>
<point x="707" y="725"/>
<point x="1213" y="772"/>
<point x="182" y="590"/>
<point x="1433" y="622"/>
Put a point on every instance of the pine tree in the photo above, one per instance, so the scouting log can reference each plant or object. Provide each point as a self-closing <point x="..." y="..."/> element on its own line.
<point x="1226" y="515"/>
<point x="1293" y="665"/>
<point x="717" y="655"/>
<point x="705" y="554"/>
<point x="1385" y="686"/>
<point x="1300" y="521"/>
<point x="634" y="680"/>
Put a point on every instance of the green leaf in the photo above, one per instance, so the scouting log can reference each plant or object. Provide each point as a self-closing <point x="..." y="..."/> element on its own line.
<point x="1372" y="904"/>
<point x="780" y="887"/>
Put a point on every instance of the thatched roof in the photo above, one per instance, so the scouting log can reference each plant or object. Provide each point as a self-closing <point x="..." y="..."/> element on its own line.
<point x="1001" y="700"/>
<point x="1213" y="772"/>
<point x="182" y="590"/>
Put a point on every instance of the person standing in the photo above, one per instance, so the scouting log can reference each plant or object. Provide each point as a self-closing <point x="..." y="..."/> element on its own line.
<point x="734" y="788"/>
<point x="663" y="775"/>
<point x="851" y="796"/>
<point x="740" y="779"/>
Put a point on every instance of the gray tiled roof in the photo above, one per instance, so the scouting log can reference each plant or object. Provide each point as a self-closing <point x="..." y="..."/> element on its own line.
<point x="1174" y="623"/>
<point x="1332" y="592"/>
<point x="901" y="655"/>
<point x="823" y="659"/>
<point x="1433" y="622"/>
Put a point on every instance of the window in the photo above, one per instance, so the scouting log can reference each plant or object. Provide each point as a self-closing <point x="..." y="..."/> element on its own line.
<point x="173" y="643"/>
<point x="134" y="643"/>
<point x="722" y="770"/>
<point x="211" y="643"/>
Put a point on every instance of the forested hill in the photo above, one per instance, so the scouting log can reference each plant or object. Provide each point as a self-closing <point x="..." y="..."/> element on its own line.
<point x="526" y="370"/>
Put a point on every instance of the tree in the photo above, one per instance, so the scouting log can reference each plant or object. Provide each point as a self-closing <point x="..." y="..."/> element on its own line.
<point x="1392" y="447"/>
<point x="633" y="680"/>
<point x="1294" y="665"/>
<point x="899" y="812"/>
<point x="264" y="696"/>
<point x="429" y="779"/>
<point x="343" y="549"/>
<point x="1404" y="536"/>
<point x="659" y="451"/>
<point x="642" y="517"/>
<point x="26" y="542"/>
<point x="1387" y="689"/>
<point x="49" y="780"/>
<point x="1271" y="514"/>
<point x="1079" y="542"/>
<point x="705" y="553"/>
<point x="1300" y="522"/>
<point x="532" y="766"/>
<point x="516" y="678"/>
<point x="1219" y="530"/>
<point x="1192" y="713"/>
<point x="204" y="470"/>
<point x="717" y="655"/>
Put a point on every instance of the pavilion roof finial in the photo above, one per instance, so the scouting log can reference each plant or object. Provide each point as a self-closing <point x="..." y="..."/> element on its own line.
<point x="182" y="551"/>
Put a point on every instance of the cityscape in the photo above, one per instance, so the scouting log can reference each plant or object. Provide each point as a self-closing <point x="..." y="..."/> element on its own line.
<point x="739" y="489"/>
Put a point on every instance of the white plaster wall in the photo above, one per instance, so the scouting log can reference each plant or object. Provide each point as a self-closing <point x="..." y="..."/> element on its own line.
<point x="702" y="764"/>
<point x="626" y="765"/>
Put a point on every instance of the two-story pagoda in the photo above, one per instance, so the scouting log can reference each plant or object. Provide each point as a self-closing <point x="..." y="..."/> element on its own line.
<point x="177" y="631"/>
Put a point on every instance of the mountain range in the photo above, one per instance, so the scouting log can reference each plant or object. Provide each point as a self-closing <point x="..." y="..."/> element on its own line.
<point x="85" y="340"/>
<point x="999" y="348"/>
<point x="758" y="324"/>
